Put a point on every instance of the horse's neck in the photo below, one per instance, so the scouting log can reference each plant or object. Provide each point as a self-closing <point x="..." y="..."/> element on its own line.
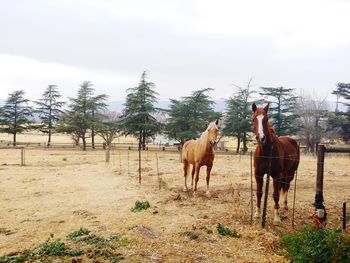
<point x="204" y="141"/>
<point x="271" y="141"/>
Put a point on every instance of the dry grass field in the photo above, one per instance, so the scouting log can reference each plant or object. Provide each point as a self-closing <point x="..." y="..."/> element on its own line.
<point x="60" y="191"/>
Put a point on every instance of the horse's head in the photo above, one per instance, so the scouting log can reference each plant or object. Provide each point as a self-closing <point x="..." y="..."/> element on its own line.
<point x="213" y="131"/>
<point x="260" y="123"/>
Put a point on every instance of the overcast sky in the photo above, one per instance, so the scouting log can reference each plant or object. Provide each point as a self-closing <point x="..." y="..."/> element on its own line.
<point x="184" y="45"/>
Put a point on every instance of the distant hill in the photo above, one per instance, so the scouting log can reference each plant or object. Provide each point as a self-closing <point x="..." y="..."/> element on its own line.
<point x="163" y="104"/>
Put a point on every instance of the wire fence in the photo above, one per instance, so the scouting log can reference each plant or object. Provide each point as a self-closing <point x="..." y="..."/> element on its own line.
<point x="233" y="174"/>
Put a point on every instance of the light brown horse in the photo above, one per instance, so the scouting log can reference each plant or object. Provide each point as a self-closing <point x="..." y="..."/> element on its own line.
<point x="280" y="155"/>
<point x="200" y="152"/>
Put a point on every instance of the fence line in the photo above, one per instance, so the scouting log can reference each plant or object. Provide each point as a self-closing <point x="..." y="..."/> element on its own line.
<point x="320" y="209"/>
<point x="23" y="155"/>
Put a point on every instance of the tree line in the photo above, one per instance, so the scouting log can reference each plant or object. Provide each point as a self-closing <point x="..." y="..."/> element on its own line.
<point x="87" y="114"/>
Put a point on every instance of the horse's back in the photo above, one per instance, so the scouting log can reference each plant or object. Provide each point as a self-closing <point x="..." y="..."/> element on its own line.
<point x="291" y="152"/>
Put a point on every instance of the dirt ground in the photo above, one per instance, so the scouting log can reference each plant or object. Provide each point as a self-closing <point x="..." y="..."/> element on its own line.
<point x="60" y="191"/>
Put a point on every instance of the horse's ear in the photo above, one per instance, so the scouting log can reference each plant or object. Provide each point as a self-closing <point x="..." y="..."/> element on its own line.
<point x="266" y="109"/>
<point x="254" y="107"/>
<point x="217" y="122"/>
<point x="207" y="123"/>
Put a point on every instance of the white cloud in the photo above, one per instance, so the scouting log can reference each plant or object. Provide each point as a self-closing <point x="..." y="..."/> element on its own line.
<point x="295" y="23"/>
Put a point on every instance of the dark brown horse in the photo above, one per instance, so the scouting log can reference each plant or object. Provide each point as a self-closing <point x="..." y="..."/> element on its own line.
<point x="280" y="155"/>
<point x="200" y="153"/>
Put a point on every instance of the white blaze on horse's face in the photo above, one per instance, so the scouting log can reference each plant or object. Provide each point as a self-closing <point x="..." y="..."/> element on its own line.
<point x="260" y="127"/>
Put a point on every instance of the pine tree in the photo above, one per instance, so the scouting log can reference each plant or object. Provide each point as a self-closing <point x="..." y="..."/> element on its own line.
<point x="49" y="110"/>
<point x="237" y="121"/>
<point x="16" y="114"/>
<point x="81" y="116"/>
<point x="97" y="103"/>
<point x="282" y="107"/>
<point x="138" y="113"/>
<point x="339" y="121"/>
<point x="189" y="115"/>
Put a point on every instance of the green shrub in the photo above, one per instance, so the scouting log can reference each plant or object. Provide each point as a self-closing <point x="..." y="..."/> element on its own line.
<point x="225" y="231"/>
<point x="140" y="205"/>
<point x="310" y="245"/>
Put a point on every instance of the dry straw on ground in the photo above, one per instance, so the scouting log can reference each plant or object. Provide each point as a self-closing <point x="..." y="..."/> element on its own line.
<point x="60" y="191"/>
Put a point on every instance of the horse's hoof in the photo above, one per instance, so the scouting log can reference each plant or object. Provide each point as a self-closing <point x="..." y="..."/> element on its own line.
<point x="276" y="222"/>
<point x="194" y="194"/>
<point x="207" y="194"/>
<point x="257" y="213"/>
<point x="185" y="189"/>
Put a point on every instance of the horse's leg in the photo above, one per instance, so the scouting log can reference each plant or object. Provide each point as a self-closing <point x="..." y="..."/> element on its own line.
<point x="208" y="178"/>
<point x="276" y="197"/>
<point x="284" y="194"/>
<point x="196" y="173"/>
<point x="185" y="189"/>
<point x="259" y="179"/>
<point x="193" y="172"/>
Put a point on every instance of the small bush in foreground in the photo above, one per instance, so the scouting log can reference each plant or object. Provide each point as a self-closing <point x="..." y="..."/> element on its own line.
<point x="225" y="231"/>
<point x="140" y="205"/>
<point x="310" y="245"/>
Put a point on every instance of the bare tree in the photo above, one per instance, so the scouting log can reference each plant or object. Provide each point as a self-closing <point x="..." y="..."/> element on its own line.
<point x="107" y="127"/>
<point x="311" y="112"/>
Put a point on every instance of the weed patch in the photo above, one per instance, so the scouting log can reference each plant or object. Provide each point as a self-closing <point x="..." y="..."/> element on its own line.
<point x="310" y="245"/>
<point x="76" y="234"/>
<point x="100" y="247"/>
<point x="57" y="248"/>
<point x="225" y="231"/>
<point x="140" y="205"/>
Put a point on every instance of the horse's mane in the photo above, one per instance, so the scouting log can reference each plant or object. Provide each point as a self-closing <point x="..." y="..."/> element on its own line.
<point x="204" y="134"/>
<point x="272" y="132"/>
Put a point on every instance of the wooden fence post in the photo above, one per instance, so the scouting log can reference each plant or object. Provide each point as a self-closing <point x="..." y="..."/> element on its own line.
<point x="320" y="208"/>
<point x="251" y="187"/>
<point x="344" y="216"/>
<point x="22" y="156"/>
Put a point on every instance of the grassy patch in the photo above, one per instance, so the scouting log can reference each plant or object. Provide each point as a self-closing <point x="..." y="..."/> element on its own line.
<point x="225" y="231"/>
<point x="140" y="205"/>
<point x="310" y="245"/>
<point x="97" y="241"/>
<point x="25" y="256"/>
<point x="57" y="248"/>
<point x="79" y="233"/>
<point x="95" y="247"/>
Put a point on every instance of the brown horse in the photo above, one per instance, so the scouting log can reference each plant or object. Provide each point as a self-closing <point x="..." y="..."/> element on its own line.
<point x="280" y="155"/>
<point x="200" y="152"/>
